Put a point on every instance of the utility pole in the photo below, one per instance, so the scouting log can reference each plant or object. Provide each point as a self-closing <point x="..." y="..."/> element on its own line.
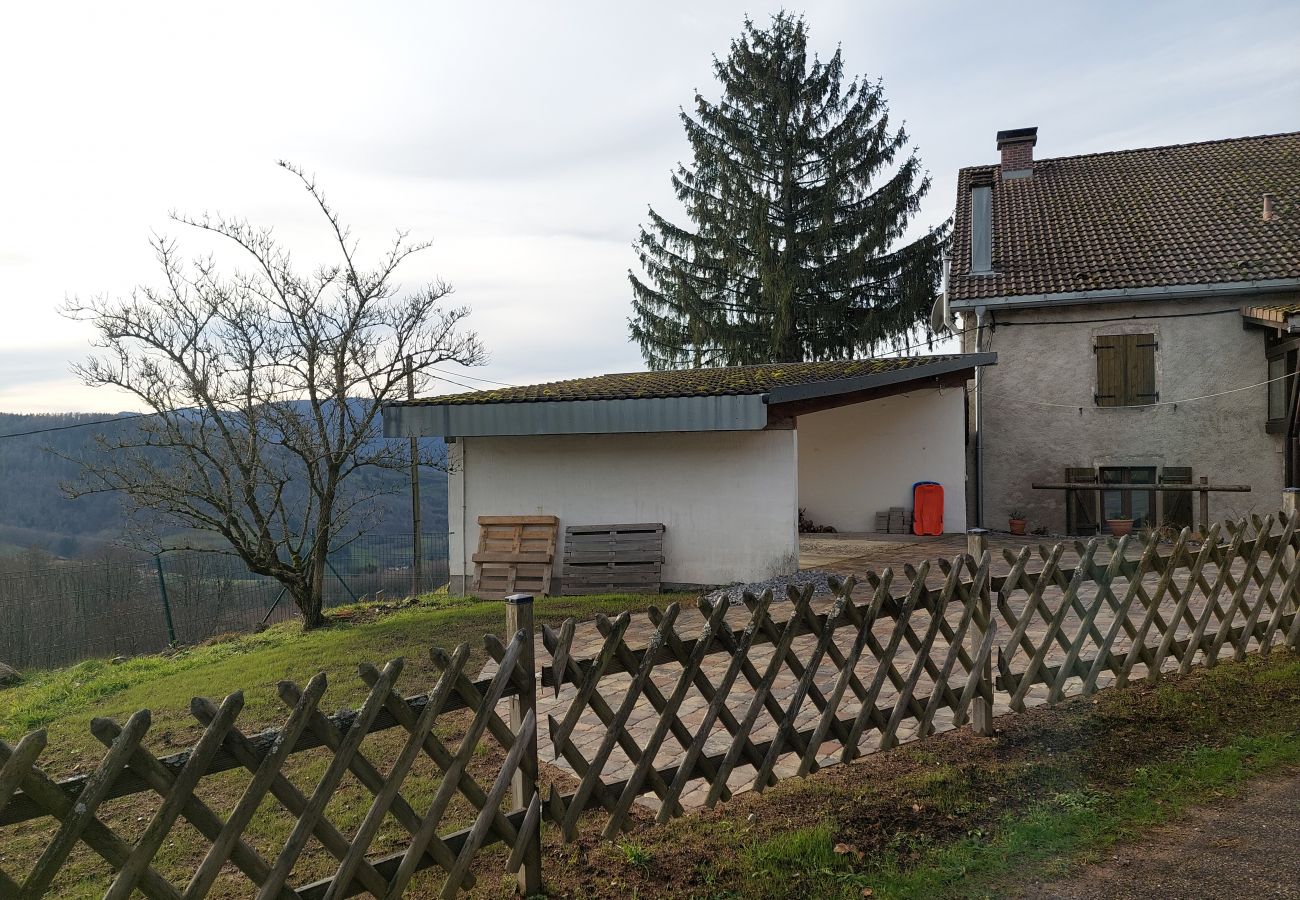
<point x="415" y="489"/>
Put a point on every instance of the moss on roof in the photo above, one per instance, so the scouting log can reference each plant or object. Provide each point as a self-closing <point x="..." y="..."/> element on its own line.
<point x="717" y="382"/>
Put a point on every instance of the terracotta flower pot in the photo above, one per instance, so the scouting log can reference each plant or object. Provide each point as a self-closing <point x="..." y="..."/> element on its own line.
<point x="1120" y="527"/>
<point x="1017" y="526"/>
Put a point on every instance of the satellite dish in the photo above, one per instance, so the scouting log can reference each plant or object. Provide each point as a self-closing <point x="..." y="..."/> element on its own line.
<point x="941" y="318"/>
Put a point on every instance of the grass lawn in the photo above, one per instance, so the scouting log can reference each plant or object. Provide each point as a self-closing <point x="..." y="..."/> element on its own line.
<point x="956" y="815"/>
<point x="63" y="701"/>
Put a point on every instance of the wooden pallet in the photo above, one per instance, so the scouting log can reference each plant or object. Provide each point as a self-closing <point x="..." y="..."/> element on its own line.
<point x="515" y="555"/>
<point x="608" y="559"/>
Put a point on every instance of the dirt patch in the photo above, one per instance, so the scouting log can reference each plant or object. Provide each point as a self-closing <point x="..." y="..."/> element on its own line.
<point x="949" y="788"/>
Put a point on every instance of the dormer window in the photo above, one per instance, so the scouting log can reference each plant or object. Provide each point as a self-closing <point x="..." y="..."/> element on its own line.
<point x="981" y="228"/>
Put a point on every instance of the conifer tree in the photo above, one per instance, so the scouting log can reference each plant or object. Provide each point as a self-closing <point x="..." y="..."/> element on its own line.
<point x="798" y="212"/>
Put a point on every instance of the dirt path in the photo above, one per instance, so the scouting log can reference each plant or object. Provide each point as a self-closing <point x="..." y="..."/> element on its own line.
<point x="1243" y="848"/>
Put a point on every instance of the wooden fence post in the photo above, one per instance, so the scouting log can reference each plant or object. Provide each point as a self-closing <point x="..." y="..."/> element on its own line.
<point x="519" y="617"/>
<point x="977" y="545"/>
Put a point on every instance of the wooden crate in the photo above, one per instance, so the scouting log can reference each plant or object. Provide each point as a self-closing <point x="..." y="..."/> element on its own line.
<point x="515" y="555"/>
<point x="613" y="559"/>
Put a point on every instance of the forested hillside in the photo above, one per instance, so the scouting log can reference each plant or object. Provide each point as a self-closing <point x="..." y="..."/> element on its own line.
<point x="35" y="513"/>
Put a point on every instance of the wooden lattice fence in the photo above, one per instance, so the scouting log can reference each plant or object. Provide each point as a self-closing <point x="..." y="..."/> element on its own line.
<point x="717" y="700"/>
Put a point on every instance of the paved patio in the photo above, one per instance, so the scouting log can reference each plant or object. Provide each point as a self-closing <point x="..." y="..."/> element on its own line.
<point x="845" y="554"/>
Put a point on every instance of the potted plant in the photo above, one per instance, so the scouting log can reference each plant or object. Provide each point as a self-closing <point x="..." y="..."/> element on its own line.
<point x="1017" y="522"/>
<point x="1119" y="527"/>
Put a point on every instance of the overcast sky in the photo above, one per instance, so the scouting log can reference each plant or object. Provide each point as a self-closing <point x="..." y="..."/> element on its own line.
<point x="524" y="139"/>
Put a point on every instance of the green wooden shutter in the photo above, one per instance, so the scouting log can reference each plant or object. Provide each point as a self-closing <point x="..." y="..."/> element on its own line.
<point x="1109" y="350"/>
<point x="1140" y="369"/>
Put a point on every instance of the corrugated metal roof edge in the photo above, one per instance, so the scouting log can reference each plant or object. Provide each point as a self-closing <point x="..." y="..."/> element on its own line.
<point x="641" y="414"/>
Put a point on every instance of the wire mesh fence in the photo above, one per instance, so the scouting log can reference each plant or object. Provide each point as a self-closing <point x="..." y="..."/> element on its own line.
<point x="55" y="612"/>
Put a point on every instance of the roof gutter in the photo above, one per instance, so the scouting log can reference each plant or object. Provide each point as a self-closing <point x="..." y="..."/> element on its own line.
<point x="818" y="389"/>
<point x="1122" y="295"/>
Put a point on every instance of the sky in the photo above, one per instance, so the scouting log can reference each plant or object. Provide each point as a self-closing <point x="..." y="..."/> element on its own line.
<point x="526" y="140"/>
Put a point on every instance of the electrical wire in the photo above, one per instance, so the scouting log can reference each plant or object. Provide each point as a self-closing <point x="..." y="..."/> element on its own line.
<point x="123" y="417"/>
<point x="472" y="377"/>
<point x="1144" y="405"/>
<point x="1135" y="316"/>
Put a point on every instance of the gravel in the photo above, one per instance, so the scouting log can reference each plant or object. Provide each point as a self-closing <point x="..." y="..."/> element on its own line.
<point x="778" y="585"/>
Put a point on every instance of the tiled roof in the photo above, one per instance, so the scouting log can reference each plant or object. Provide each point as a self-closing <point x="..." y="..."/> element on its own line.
<point x="687" y="382"/>
<point x="1189" y="214"/>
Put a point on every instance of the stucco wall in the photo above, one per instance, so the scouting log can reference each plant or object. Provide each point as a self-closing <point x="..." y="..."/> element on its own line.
<point x="857" y="460"/>
<point x="727" y="499"/>
<point x="1223" y="437"/>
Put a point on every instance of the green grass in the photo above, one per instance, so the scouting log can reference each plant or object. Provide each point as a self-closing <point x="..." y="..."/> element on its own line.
<point x="1052" y="835"/>
<point x="948" y="817"/>
<point x="64" y="700"/>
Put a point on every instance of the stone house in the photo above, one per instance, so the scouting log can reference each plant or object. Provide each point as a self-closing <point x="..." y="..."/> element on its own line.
<point x="1144" y="306"/>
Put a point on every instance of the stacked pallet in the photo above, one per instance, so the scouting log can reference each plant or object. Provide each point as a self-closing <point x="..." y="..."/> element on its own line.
<point x="515" y="555"/>
<point x="613" y="559"/>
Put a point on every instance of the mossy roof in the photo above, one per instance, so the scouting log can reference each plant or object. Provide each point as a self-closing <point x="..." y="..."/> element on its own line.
<point x="713" y="382"/>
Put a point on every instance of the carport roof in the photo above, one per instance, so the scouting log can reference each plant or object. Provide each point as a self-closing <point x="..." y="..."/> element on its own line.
<point x="711" y="382"/>
<point x="741" y="398"/>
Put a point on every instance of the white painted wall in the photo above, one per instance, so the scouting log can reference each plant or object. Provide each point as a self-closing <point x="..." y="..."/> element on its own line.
<point x="728" y="500"/>
<point x="857" y="460"/>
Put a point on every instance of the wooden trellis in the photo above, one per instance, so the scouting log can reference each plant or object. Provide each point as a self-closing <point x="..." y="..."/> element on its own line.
<point x="736" y="698"/>
<point x="1159" y="611"/>
<point x="26" y="793"/>
<point x="841" y="718"/>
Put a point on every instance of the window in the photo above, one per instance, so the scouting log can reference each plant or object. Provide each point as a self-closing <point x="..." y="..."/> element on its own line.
<point x="1140" y="506"/>
<point x="981" y="228"/>
<point x="1126" y="369"/>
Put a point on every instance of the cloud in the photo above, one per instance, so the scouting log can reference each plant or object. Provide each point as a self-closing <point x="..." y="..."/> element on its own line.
<point x="525" y="139"/>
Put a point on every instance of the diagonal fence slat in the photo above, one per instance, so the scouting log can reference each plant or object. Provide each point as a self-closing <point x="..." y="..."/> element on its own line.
<point x="704" y="708"/>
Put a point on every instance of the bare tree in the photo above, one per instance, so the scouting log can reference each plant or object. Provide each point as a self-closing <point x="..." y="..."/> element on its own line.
<point x="264" y="387"/>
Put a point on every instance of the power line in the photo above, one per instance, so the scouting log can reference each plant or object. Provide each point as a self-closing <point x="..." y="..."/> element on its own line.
<point x="1145" y="405"/>
<point x="472" y="377"/>
<point x="1136" y="316"/>
<point x="121" y="418"/>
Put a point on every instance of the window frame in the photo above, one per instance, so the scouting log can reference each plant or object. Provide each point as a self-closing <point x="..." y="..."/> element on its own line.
<point x="1124" y="344"/>
<point x="1122" y="474"/>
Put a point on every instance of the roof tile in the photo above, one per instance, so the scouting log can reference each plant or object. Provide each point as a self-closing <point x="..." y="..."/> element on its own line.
<point x="1158" y="217"/>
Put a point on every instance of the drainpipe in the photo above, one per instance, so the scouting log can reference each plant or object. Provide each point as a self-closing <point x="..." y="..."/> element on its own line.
<point x="1291" y="444"/>
<point x="464" y="505"/>
<point x="979" y="419"/>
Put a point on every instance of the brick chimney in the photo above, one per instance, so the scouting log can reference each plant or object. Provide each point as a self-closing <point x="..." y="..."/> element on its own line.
<point x="1017" y="146"/>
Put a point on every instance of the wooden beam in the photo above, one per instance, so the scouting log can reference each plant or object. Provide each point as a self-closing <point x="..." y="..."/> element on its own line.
<point x="777" y="413"/>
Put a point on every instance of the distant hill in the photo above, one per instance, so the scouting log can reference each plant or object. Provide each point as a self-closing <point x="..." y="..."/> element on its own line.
<point x="35" y="513"/>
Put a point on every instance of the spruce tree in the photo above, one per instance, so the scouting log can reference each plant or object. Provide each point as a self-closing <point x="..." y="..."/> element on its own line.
<point x="796" y="247"/>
